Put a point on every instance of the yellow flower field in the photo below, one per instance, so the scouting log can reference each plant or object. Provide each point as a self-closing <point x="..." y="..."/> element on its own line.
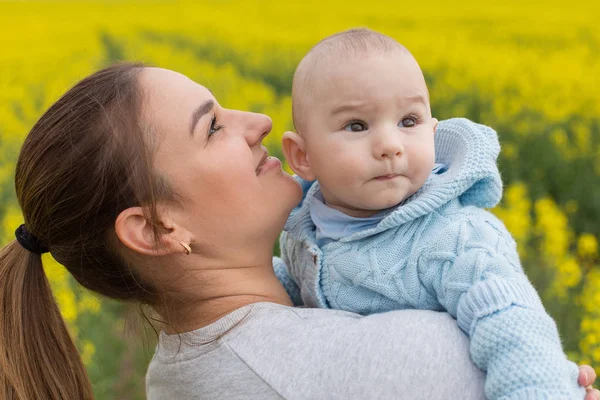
<point x="531" y="71"/>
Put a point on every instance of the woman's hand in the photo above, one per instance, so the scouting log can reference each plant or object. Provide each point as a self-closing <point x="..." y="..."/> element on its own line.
<point x="587" y="376"/>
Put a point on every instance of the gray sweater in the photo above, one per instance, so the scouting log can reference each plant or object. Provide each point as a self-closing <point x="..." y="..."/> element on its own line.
<point x="269" y="351"/>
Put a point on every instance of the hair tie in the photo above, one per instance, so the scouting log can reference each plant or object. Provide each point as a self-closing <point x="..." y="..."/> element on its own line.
<point x="29" y="242"/>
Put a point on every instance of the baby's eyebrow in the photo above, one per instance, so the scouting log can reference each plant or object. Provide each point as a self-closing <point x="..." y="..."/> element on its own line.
<point x="348" y="107"/>
<point x="418" y="98"/>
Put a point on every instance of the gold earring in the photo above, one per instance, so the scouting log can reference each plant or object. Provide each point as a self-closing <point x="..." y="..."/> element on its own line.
<point x="186" y="248"/>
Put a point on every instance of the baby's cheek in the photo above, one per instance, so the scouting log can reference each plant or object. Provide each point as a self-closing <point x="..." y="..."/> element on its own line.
<point x="424" y="159"/>
<point x="421" y="176"/>
<point x="345" y="169"/>
<point x="345" y="182"/>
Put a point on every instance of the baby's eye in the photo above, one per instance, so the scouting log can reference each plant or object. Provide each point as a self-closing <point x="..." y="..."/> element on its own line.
<point x="355" y="126"/>
<point x="408" y="122"/>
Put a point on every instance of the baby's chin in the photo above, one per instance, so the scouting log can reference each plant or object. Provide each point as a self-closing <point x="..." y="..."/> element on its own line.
<point x="374" y="205"/>
<point x="366" y="204"/>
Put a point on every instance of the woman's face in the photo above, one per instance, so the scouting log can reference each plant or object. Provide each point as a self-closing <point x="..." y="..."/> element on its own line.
<point x="233" y="195"/>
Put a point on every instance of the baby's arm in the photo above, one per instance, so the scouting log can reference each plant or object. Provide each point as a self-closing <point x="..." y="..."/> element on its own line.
<point x="480" y="282"/>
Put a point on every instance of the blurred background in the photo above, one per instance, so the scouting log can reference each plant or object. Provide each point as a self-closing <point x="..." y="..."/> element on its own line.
<point x="531" y="70"/>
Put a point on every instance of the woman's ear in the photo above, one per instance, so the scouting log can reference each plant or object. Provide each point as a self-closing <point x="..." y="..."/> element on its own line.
<point x="136" y="232"/>
<point x="294" y="150"/>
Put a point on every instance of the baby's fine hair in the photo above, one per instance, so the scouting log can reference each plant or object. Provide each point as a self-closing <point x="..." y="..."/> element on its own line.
<point x="350" y="43"/>
<point x="357" y="41"/>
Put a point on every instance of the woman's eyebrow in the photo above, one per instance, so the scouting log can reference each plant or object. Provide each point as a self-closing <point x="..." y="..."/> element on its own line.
<point x="199" y="113"/>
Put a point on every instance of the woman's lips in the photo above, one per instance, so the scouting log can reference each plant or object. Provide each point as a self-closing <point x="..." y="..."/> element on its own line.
<point x="269" y="164"/>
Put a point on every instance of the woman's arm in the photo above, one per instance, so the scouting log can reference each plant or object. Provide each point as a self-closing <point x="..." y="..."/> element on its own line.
<point x="329" y="354"/>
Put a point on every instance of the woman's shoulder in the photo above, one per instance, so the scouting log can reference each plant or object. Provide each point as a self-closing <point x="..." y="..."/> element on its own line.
<point x="336" y="351"/>
<point x="313" y="323"/>
<point x="279" y="324"/>
<point x="303" y="352"/>
<point x="270" y="319"/>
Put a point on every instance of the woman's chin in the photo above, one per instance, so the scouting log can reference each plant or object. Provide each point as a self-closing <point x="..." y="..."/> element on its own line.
<point x="290" y="188"/>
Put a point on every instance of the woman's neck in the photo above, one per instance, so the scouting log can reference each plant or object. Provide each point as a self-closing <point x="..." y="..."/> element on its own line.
<point x="211" y="294"/>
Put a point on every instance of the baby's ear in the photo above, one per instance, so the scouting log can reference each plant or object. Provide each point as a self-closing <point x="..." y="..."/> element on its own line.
<point x="294" y="149"/>
<point x="435" y="124"/>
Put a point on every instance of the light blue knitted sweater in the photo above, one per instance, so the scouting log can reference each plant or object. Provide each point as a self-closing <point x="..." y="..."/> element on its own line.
<point x="440" y="250"/>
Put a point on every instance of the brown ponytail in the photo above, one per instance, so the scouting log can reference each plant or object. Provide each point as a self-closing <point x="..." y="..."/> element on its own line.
<point x="38" y="359"/>
<point x="86" y="160"/>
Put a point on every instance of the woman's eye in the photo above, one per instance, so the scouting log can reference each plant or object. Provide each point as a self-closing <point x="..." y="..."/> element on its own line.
<point x="214" y="127"/>
<point x="408" y="122"/>
<point x="355" y="126"/>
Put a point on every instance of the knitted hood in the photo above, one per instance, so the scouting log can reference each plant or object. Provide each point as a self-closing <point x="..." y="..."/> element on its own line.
<point x="469" y="152"/>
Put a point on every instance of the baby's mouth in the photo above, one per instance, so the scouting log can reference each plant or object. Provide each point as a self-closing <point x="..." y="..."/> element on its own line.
<point x="386" y="177"/>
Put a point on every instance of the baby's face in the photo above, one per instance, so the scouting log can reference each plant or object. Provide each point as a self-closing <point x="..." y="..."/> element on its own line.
<point x="369" y="132"/>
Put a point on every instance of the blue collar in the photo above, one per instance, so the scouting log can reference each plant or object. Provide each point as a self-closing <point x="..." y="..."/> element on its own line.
<point x="332" y="224"/>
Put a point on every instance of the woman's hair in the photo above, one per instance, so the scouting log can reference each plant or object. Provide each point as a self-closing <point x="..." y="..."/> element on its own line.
<point x="86" y="160"/>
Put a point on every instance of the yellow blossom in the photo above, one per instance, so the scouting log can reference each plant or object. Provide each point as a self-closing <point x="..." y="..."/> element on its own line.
<point x="89" y="303"/>
<point x="528" y="80"/>
<point x="587" y="246"/>
<point x="88" y="349"/>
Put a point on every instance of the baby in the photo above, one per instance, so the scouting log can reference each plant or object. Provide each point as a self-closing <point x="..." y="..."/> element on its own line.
<point x="384" y="227"/>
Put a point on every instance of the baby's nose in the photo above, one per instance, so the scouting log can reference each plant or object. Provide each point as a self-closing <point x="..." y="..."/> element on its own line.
<point x="389" y="146"/>
<point x="393" y="152"/>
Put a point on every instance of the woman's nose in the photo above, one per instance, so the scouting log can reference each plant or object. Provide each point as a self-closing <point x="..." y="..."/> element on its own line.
<point x="257" y="127"/>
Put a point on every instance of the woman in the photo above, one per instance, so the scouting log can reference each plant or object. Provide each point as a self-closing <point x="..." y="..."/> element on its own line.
<point x="147" y="190"/>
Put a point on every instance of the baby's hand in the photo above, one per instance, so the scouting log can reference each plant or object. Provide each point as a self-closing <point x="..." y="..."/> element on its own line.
<point x="587" y="376"/>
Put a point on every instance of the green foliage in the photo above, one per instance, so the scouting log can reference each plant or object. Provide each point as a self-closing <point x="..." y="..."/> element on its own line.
<point x="512" y="66"/>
